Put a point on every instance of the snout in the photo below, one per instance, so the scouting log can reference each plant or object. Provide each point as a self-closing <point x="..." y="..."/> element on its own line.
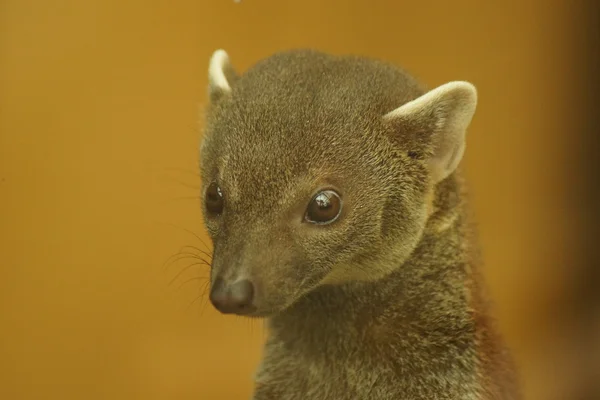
<point x="235" y="297"/>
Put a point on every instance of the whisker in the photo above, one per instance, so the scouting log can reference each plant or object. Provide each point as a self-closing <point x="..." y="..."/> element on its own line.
<point x="201" y="295"/>
<point x="197" y="278"/>
<point x="188" y="231"/>
<point x="187" y="254"/>
<point x="195" y="300"/>
<point x="190" y="247"/>
<point x="204" y="296"/>
<point x="198" y="250"/>
<point x="181" y="256"/>
<point x="183" y="270"/>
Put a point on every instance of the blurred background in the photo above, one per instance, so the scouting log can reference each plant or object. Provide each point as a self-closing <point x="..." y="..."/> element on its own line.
<point x="100" y="122"/>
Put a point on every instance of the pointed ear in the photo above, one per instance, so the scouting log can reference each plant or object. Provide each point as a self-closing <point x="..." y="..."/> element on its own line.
<point x="221" y="76"/>
<point x="440" y="119"/>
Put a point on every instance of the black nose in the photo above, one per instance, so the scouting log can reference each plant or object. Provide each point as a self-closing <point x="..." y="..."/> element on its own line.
<point x="235" y="298"/>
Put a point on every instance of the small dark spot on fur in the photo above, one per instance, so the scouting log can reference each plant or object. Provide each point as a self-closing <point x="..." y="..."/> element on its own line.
<point x="413" y="154"/>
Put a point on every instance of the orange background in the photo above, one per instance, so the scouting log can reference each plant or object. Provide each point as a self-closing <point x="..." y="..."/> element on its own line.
<point x="99" y="134"/>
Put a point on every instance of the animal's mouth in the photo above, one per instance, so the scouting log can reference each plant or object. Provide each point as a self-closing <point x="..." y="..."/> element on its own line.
<point x="270" y="311"/>
<point x="259" y="314"/>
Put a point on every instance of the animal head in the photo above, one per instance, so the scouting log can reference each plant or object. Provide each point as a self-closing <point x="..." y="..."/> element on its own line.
<point x="319" y="170"/>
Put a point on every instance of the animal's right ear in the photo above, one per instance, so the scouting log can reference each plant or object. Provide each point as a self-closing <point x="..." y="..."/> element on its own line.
<point x="221" y="76"/>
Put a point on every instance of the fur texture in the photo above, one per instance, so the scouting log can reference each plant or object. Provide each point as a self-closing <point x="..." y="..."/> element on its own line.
<point x="387" y="301"/>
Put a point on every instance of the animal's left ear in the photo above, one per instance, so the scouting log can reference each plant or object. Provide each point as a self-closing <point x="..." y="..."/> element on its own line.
<point x="221" y="76"/>
<point x="439" y="119"/>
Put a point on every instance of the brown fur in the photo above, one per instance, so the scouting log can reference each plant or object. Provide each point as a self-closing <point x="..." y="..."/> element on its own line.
<point x="385" y="303"/>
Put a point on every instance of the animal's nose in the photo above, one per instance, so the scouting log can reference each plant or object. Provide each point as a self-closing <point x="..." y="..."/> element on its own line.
<point x="234" y="298"/>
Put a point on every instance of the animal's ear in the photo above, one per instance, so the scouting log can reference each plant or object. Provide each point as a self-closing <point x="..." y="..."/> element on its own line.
<point x="221" y="76"/>
<point x="438" y="121"/>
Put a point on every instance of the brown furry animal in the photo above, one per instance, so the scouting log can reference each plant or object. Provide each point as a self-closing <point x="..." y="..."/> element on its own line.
<point x="333" y="199"/>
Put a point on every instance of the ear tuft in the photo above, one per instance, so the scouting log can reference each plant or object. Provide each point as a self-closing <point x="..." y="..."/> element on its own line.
<point x="220" y="75"/>
<point x="443" y="116"/>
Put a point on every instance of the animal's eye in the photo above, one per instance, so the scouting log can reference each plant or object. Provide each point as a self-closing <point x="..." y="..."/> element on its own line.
<point x="214" y="199"/>
<point x="324" y="208"/>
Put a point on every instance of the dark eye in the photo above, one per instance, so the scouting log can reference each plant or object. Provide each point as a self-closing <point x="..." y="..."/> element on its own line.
<point x="324" y="208"/>
<point x="214" y="199"/>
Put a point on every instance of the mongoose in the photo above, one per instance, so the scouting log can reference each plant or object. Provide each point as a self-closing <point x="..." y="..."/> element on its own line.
<point x="332" y="194"/>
